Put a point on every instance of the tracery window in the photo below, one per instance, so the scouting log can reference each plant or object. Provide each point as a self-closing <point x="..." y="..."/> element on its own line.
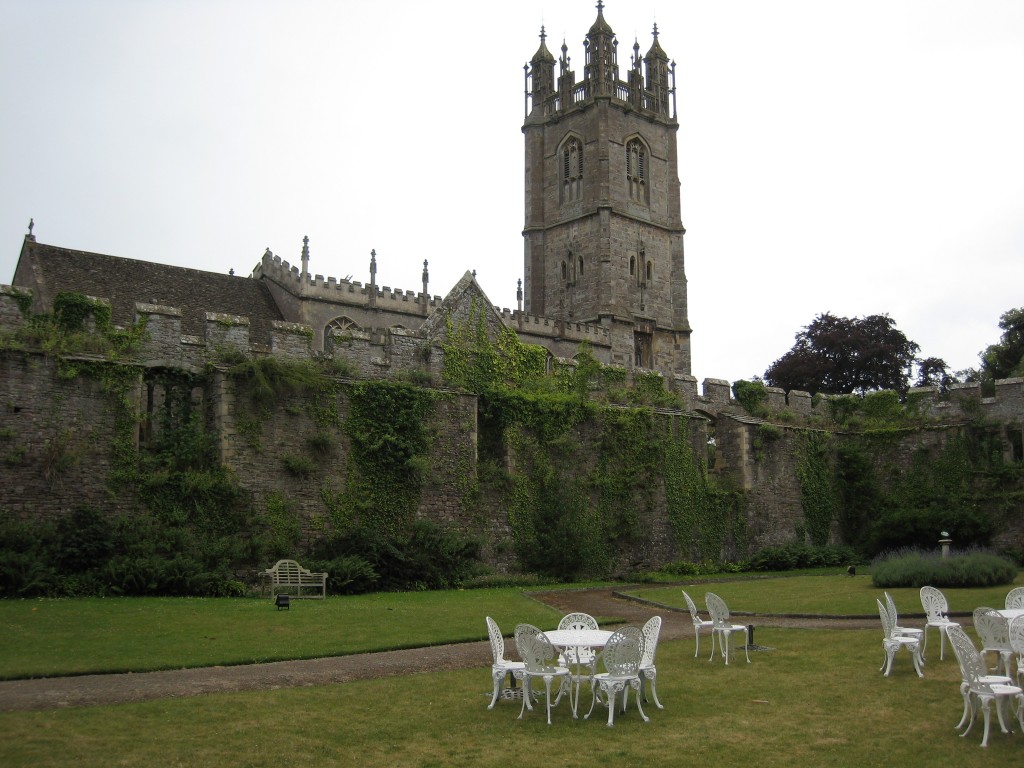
<point x="337" y="329"/>
<point x="341" y="325"/>
<point x="636" y="170"/>
<point x="572" y="170"/>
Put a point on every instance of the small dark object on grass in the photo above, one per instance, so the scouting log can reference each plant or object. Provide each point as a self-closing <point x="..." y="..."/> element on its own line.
<point x="282" y="601"/>
<point x="852" y="570"/>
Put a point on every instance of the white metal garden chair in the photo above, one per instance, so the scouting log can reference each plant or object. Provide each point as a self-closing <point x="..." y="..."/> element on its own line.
<point x="892" y="642"/>
<point x="698" y="624"/>
<point x="985" y="688"/>
<point x="899" y="629"/>
<point x="994" y="632"/>
<point x="1017" y="644"/>
<point x="621" y="657"/>
<point x="648" y="672"/>
<point x="581" y="656"/>
<point x="540" y="661"/>
<point x="967" y="649"/>
<point x="501" y="667"/>
<point x="935" y="610"/>
<point x="1015" y="598"/>
<point x="723" y="628"/>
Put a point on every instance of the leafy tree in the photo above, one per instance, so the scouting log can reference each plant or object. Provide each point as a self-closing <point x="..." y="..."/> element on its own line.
<point x="933" y="372"/>
<point x="1005" y="360"/>
<point x="842" y="355"/>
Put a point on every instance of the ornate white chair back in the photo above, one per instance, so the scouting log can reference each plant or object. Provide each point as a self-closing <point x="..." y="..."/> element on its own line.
<point x="1015" y="598"/>
<point x="718" y="610"/>
<point x="934" y="604"/>
<point x="497" y="640"/>
<point x="534" y="648"/>
<point x="578" y="621"/>
<point x="992" y="628"/>
<point x="623" y="651"/>
<point x="651" y="631"/>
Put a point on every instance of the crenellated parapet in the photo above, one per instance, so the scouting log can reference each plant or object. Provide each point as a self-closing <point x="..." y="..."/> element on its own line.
<point x="569" y="330"/>
<point x="342" y="290"/>
<point x="401" y="352"/>
<point x="964" y="400"/>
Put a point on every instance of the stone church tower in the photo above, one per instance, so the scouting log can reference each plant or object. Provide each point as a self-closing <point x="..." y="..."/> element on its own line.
<point x="603" y="232"/>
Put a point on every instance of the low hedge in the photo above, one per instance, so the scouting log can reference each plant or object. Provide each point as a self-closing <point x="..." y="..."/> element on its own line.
<point x="915" y="568"/>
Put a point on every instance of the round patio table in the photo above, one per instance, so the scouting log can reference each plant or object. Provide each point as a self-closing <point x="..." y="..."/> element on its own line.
<point x="571" y="643"/>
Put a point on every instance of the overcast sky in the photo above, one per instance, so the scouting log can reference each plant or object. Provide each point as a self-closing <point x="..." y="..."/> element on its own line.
<point x="854" y="157"/>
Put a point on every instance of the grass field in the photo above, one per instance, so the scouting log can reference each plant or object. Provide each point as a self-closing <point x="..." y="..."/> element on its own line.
<point x="815" y="698"/>
<point x="821" y="594"/>
<point x="65" y="637"/>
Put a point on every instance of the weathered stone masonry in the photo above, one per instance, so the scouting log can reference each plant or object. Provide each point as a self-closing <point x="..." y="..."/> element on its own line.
<point x="58" y="433"/>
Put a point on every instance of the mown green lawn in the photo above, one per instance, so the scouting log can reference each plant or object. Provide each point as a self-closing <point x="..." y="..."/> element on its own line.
<point x="813" y="698"/>
<point x="818" y="594"/>
<point x="64" y="637"/>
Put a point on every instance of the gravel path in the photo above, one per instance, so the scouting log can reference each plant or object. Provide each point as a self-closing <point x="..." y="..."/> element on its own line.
<point x="93" y="690"/>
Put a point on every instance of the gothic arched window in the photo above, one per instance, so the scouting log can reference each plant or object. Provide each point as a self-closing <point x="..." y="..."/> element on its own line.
<point x="341" y="325"/>
<point x="336" y="329"/>
<point x="572" y="170"/>
<point x="636" y="170"/>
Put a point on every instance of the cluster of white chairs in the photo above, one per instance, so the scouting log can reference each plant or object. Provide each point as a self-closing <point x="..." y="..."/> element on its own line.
<point x="719" y="624"/>
<point x="627" y="657"/>
<point x="1001" y="632"/>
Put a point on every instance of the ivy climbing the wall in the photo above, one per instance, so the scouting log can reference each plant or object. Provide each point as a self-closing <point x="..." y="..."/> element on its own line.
<point x="387" y="426"/>
<point x="477" y="363"/>
<point x="817" y="487"/>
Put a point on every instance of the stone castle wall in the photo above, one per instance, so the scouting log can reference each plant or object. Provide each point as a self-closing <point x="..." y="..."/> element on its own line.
<point x="56" y="432"/>
<point x="56" y="436"/>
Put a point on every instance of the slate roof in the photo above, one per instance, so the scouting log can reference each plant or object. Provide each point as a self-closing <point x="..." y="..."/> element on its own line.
<point x="124" y="282"/>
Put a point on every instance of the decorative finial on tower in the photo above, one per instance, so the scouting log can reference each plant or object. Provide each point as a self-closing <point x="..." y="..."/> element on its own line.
<point x="31" y="224"/>
<point x="600" y="6"/>
<point x="474" y="274"/>
<point x="543" y="35"/>
<point x="305" y="256"/>
<point x="426" y="276"/>
<point x="373" y="264"/>
<point x="656" y="30"/>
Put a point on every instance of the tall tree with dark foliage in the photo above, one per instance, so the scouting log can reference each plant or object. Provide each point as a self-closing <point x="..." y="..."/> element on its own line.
<point x="842" y="355"/>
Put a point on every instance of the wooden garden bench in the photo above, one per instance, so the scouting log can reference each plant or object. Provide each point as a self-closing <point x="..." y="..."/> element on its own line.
<point x="288" y="575"/>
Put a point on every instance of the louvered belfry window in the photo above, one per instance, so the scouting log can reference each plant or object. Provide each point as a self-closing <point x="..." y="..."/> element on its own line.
<point x="572" y="170"/>
<point x="636" y="170"/>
